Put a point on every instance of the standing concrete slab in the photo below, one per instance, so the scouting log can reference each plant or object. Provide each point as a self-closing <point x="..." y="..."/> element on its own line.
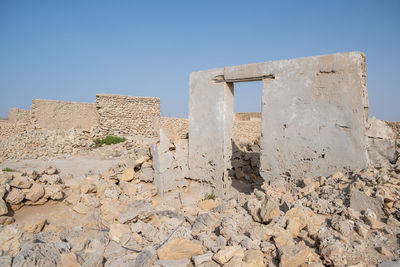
<point x="313" y="117"/>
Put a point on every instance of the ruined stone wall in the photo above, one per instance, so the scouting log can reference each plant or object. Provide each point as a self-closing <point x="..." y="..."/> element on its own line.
<point x="128" y="115"/>
<point x="57" y="115"/>
<point x="175" y="128"/>
<point x="16" y="115"/>
<point x="247" y="116"/>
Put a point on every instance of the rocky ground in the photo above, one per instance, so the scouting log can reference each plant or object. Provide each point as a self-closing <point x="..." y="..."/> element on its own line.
<point x="115" y="217"/>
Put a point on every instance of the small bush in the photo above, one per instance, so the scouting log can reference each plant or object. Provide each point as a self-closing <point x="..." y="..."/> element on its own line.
<point x="108" y="140"/>
<point x="210" y="196"/>
<point x="8" y="170"/>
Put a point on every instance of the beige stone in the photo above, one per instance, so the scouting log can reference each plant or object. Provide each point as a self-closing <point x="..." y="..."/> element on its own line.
<point x="53" y="192"/>
<point x="207" y="204"/>
<point x="6" y="220"/>
<point x="10" y="240"/>
<point x="128" y="175"/>
<point x="269" y="210"/>
<point x="20" y="181"/>
<point x="180" y="248"/>
<point x="35" y="227"/>
<point x="15" y="196"/>
<point x="81" y="208"/>
<point x="141" y="160"/>
<point x="118" y="231"/>
<point x="226" y="253"/>
<point x="3" y="207"/>
<point x="88" y="188"/>
<point x="374" y="223"/>
<point x="253" y="258"/>
<point x="296" y="255"/>
<point x="69" y="260"/>
<point x="283" y="239"/>
<point x="35" y="192"/>
<point x="297" y="220"/>
<point x="384" y="251"/>
<point x="235" y="262"/>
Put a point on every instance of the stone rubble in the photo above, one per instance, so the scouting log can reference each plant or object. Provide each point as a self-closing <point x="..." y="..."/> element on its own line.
<point x="345" y="219"/>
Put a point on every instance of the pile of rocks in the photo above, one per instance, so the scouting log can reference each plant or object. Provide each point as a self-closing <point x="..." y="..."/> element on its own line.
<point x="21" y="188"/>
<point x="339" y="220"/>
<point x="246" y="161"/>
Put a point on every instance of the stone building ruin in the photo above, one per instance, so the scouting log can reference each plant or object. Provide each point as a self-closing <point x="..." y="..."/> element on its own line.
<point x="314" y="115"/>
<point x="314" y="122"/>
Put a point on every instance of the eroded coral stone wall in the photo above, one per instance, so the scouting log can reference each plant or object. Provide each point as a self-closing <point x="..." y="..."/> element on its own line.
<point x="17" y="115"/>
<point x="128" y="115"/>
<point x="57" y="115"/>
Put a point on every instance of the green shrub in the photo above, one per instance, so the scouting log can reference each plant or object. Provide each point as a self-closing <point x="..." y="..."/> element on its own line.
<point x="8" y="170"/>
<point x="210" y="196"/>
<point x="108" y="140"/>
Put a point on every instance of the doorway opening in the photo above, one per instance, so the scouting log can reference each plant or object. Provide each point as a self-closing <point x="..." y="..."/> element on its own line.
<point x="245" y="160"/>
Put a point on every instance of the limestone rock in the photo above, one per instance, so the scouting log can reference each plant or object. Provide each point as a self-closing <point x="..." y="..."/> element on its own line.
<point x="174" y="263"/>
<point x="3" y="207"/>
<point x="6" y="220"/>
<point x="140" y="161"/>
<point x="53" y="192"/>
<point x="21" y="182"/>
<point x="128" y="175"/>
<point x="87" y="188"/>
<point x="235" y="262"/>
<point x="296" y="255"/>
<point x="35" y="227"/>
<point x="146" y="257"/>
<point x="35" y="192"/>
<point x="253" y="258"/>
<point x="15" y="196"/>
<point x="207" y="204"/>
<point x="226" y="253"/>
<point x="146" y="175"/>
<point x="118" y="230"/>
<point x="81" y="208"/>
<point x="5" y="261"/>
<point x="138" y="209"/>
<point x="202" y="258"/>
<point x="253" y="207"/>
<point x="269" y="209"/>
<point x="51" y="170"/>
<point x="10" y="240"/>
<point x="69" y="260"/>
<point x="359" y="202"/>
<point x="181" y="248"/>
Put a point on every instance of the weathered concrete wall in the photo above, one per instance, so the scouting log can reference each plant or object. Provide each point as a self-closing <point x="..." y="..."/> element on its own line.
<point x="53" y="115"/>
<point x="210" y="129"/>
<point x="128" y="115"/>
<point x="314" y="116"/>
<point x="314" y="112"/>
<point x="16" y="115"/>
<point x="247" y="116"/>
<point x="170" y="163"/>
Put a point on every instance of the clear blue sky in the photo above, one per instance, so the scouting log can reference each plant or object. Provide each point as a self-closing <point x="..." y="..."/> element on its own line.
<point x="71" y="50"/>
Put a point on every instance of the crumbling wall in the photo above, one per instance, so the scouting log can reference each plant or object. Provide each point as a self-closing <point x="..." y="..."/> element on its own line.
<point x="314" y="112"/>
<point x="383" y="142"/>
<point x="16" y="115"/>
<point x="57" y="115"/>
<point x="175" y="128"/>
<point x="170" y="163"/>
<point x="247" y="116"/>
<point x="128" y="115"/>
